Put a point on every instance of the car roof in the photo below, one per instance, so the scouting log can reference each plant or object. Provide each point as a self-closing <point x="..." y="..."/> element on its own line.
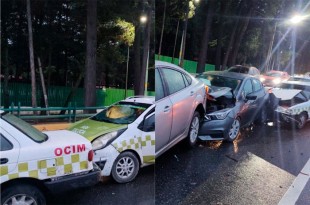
<point x="239" y="76"/>
<point x="162" y="63"/>
<point x="140" y="99"/>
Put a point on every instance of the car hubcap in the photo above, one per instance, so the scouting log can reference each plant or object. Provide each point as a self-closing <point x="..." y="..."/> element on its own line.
<point x="20" y="199"/>
<point x="125" y="167"/>
<point x="234" y="130"/>
<point x="302" y="120"/>
<point x="194" y="130"/>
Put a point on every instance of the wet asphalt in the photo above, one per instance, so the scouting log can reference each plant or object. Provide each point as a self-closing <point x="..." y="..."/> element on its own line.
<point x="257" y="168"/>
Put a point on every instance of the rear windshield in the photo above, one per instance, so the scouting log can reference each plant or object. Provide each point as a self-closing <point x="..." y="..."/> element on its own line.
<point x="239" y="70"/>
<point x="121" y="113"/>
<point x="24" y="127"/>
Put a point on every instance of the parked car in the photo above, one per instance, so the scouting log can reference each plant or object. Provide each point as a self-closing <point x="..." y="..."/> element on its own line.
<point x="274" y="77"/>
<point x="294" y="102"/>
<point x="299" y="79"/>
<point x="180" y="104"/>
<point x="33" y="163"/>
<point x="235" y="101"/>
<point x="122" y="136"/>
<point x="245" y="70"/>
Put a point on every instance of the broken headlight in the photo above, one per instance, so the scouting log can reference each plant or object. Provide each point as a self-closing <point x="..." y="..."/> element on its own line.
<point x="219" y="115"/>
<point x="105" y="139"/>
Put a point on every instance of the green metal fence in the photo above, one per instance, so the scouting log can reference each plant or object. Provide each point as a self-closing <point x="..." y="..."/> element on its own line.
<point x="189" y="66"/>
<point x="20" y="93"/>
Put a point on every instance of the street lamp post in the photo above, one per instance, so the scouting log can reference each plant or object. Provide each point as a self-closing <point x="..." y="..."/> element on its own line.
<point x="182" y="49"/>
<point x="183" y="41"/>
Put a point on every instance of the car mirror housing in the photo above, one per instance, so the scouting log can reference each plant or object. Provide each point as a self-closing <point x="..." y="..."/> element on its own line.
<point x="251" y="97"/>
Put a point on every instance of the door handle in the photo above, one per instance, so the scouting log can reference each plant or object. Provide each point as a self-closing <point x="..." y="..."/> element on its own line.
<point x="167" y="108"/>
<point x="192" y="93"/>
<point x="4" y="160"/>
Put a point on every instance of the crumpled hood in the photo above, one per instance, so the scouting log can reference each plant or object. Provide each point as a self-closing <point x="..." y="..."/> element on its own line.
<point x="218" y="91"/>
<point x="285" y="94"/>
<point x="92" y="129"/>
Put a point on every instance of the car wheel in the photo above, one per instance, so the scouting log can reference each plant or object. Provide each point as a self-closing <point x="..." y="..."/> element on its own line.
<point x="234" y="130"/>
<point x="125" y="167"/>
<point x="22" y="194"/>
<point x="301" y="120"/>
<point x="193" y="130"/>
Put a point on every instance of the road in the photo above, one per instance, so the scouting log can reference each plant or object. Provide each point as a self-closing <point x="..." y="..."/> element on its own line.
<point x="139" y="192"/>
<point x="257" y="169"/>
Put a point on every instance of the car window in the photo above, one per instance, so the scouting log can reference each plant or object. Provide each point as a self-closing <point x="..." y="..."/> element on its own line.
<point x="25" y="128"/>
<point x="247" y="87"/>
<point x="174" y="79"/>
<point x="257" y="85"/>
<point x="159" y="89"/>
<point x="5" y="144"/>
<point x="149" y="123"/>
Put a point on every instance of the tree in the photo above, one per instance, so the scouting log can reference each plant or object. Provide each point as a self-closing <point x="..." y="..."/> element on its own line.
<point x="205" y="38"/>
<point x="91" y="51"/>
<point x="31" y="57"/>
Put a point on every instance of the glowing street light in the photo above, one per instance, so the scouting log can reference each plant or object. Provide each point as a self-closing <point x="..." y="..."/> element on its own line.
<point x="143" y="19"/>
<point x="296" y="19"/>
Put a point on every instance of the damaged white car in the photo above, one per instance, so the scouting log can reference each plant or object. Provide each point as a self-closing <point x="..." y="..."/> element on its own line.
<point x="294" y="106"/>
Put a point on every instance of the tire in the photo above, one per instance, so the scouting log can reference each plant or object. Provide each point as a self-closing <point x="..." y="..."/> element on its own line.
<point x="234" y="130"/>
<point x="23" y="194"/>
<point x="125" y="167"/>
<point x="302" y="119"/>
<point x="192" y="136"/>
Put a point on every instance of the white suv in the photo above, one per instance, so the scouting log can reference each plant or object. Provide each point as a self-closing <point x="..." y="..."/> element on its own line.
<point x="180" y="104"/>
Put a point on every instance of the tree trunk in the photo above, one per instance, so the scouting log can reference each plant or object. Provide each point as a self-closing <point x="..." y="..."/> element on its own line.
<point x="240" y="37"/>
<point x="205" y="38"/>
<point x="232" y="38"/>
<point x="31" y="58"/>
<point x="183" y="43"/>
<point x="90" y="74"/>
<point x="145" y="57"/>
<point x="175" y="41"/>
<point x="162" y="30"/>
<point x="223" y="11"/>
<point x="72" y="93"/>
<point x="43" y="84"/>
<point x="6" y="100"/>
<point x="137" y="58"/>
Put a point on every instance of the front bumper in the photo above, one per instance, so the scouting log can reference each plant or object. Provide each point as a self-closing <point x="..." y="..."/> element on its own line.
<point x="69" y="182"/>
<point x="215" y="129"/>
<point x="105" y="158"/>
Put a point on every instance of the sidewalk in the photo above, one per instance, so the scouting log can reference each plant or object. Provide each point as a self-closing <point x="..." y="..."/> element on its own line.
<point x="52" y="126"/>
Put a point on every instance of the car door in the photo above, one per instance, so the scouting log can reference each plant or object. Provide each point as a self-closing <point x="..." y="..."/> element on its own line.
<point x="182" y="96"/>
<point x="147" y="127"/>
<point x="10" y="149"/>
<point x="247" y="105"/>
<point x="163" y="114"/>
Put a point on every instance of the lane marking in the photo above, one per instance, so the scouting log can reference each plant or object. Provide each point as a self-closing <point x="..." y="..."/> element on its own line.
<point x="293" y="193"/>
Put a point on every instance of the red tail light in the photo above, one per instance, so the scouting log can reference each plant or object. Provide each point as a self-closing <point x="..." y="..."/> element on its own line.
<point x="90" y="155"/>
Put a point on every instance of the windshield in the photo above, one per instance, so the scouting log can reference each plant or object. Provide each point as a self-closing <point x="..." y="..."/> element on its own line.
<point x="121" y="113"/>
<point x="273" y="74"/>
<point x="24" y="127"/>
<point x="221" y="81"/>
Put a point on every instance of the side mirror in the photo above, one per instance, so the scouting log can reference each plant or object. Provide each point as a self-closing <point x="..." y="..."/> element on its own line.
<point x="251" y="97"/>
